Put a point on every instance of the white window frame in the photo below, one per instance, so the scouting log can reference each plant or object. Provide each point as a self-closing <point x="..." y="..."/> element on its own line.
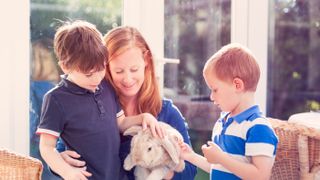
<point x="249" y="26"/>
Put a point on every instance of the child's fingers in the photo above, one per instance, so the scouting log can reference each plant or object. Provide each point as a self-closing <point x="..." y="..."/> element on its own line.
<point x="210" y="143"/>
<point x="182" y="145"/>
<point x="204" y="146"/>
<point x="213" y="145"/>
<point x="186" y="147"/>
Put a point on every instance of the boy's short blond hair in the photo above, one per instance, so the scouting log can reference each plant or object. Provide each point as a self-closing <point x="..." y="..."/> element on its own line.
<point x="78" y="45"/>
<point x="234" y="61"/>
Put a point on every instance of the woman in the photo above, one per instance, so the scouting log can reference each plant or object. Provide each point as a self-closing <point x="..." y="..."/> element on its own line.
<point x="130" y="69"/>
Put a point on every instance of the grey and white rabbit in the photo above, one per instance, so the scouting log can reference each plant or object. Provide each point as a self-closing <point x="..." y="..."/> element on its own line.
<point x="154" y="157"/>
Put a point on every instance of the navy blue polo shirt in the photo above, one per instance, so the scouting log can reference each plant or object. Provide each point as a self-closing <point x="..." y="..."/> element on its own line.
<point x="87" y="123"/>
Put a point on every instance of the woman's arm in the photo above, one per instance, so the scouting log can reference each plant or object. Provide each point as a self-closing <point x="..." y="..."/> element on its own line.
<point x="70" y="157"/>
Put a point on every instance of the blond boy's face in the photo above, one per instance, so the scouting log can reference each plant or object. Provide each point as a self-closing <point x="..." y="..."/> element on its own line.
<point x="223" y="93"/>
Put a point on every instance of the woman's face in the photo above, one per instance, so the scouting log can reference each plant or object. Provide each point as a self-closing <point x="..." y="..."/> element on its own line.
<point x="127" y="71"/>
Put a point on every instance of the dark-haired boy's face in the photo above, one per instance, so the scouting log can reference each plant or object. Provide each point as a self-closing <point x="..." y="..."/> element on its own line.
<point x="89" y="80"/>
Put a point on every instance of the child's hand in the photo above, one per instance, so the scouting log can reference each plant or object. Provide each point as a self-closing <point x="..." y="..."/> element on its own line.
<point x="153" y="123"/>
<point x="169" y="175"/>
<point x="186" y="150"/>
<point x="212" y="152"/>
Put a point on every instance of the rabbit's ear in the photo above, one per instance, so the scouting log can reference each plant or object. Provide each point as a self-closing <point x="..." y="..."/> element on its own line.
<point x="168" y="144"/>
<point x="132" y="130"/>
<point x="128" y="163"/>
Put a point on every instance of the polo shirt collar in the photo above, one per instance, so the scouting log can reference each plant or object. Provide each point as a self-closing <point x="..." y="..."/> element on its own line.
<point x="74" y="88"/>
<point x="245" y="115"/>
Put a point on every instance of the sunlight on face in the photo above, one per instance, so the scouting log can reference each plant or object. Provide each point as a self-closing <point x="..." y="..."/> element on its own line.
<point x="223" y="93"/>
<point x="127" y="71"/>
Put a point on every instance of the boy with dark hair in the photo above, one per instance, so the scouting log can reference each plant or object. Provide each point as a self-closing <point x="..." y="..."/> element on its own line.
<point x="243" y="142"/>
<point x="83" y="109"/>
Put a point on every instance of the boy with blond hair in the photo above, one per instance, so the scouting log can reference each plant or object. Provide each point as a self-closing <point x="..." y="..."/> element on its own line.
<point x="243" y="142"/>
<point x="83" y="109"/>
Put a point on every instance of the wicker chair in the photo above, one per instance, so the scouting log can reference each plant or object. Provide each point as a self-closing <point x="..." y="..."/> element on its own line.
<point x="19" y="167"/>
<point x="298" y="151"/>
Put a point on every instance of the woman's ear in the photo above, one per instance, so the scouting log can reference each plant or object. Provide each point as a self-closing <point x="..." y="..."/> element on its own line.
<point x="238" y="83"/>
<point x="146" y="57"/>
<point x="63" y="67"/>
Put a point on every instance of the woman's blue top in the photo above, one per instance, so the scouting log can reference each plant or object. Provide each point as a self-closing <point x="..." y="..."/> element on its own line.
<point x="169" y="114"/>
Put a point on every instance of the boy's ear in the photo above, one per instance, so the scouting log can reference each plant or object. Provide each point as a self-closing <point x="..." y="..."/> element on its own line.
<point x="238" y="83"/>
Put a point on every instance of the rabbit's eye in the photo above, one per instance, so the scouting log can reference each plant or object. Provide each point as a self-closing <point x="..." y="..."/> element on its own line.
<point x="149" y="149"/>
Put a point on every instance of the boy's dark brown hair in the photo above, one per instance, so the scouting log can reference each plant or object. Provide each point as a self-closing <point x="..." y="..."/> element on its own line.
<point x="79" y="46"/>
<point x="235" y="61"/>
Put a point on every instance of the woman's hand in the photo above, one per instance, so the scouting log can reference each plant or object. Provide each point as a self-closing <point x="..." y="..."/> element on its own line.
<point x="153" y="123"/>
<point x="79" y="169"/>
<point x="70" y="157"/>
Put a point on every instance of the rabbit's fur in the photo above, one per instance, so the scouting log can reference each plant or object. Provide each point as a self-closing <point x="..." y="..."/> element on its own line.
<point x="154" y="157"/>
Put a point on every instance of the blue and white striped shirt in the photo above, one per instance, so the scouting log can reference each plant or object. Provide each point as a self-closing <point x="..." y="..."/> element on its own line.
<point x="243" y="136"/>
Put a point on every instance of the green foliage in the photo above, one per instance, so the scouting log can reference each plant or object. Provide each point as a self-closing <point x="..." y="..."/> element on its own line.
<point x="313" y="105"/>
<point x="46" y="15"/>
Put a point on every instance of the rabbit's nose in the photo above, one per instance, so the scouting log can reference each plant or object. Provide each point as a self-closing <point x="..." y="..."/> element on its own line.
<point x="135" y="158"/>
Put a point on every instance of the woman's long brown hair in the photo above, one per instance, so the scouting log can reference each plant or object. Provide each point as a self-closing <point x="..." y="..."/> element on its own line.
<point x="121" y="39"/>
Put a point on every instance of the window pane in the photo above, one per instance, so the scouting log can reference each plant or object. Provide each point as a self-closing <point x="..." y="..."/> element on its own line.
<point x="194" y="30"/>
<point x="294" y="63"/>
<point x="45" y="18"/>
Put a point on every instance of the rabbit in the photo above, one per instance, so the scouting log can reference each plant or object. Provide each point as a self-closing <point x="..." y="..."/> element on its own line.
<point x="154" y="157"/>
